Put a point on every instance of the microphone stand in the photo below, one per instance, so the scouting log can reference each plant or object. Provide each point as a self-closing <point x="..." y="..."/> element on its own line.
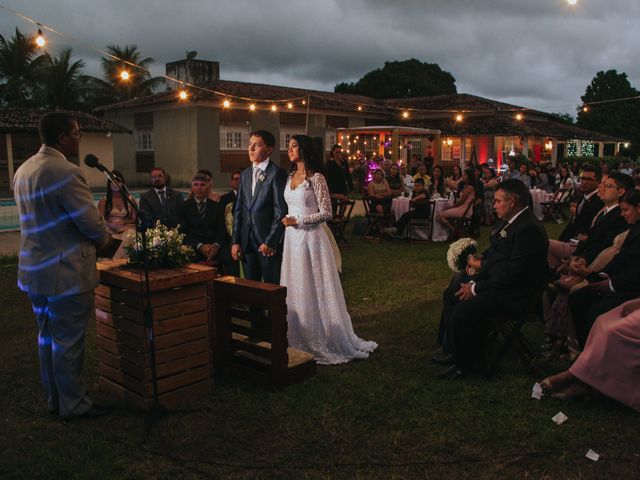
<point x="157" y="411"/>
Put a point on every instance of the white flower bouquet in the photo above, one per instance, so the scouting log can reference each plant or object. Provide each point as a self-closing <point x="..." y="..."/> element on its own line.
<point x="458" y="253"/>
<point x="164" y="248"/>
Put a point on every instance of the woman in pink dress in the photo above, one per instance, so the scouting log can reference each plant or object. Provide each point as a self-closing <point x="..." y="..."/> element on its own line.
<point x="610" y="362"/>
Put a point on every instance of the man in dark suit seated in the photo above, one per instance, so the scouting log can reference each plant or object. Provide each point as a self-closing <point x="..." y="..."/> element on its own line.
<point x="231" y="195"/>
<point x="511" y="270"/>
<point x="160" y="202"/>
<point x="202" y="222"/>
<point x="619" y="281"/>
<point x="604" y="227"/>
<point x="587" y="206"/>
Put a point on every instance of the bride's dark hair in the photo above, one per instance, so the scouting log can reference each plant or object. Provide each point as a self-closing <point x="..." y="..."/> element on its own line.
<point x="310" y="155"/>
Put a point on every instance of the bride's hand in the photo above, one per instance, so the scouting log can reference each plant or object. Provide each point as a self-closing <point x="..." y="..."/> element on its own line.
<point x="289" y="222"/>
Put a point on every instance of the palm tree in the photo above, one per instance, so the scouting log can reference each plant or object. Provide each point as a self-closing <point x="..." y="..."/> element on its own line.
<point x="62" y="84"/>
<point x="140" y="82"/>
<point x="19" y="69"/>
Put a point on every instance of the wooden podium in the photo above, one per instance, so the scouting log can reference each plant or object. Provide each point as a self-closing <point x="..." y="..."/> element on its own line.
<point x="182" y="301"/>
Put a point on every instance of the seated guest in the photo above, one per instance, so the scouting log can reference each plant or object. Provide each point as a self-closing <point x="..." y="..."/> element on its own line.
<point x="586" y="208"/>
<point x="510" y="271"/>
<point x="564" y="180"/>
<point x="339" y="178"/>
<point x="422" y="173"/>
<point x="230" y="196"/>
<point x="523" y="175"/>
<point x="610" y="361"/>
<point x="438" y="187"/>
<point x="408" y="179"/>
<point x="379" y="193"/>
<point x="618" y="282"/>
<point x="421" y="208"/>
<point x="463" y="206"/>
<point x="396" y="184"/>
<point x="202" y="223"/>
<point x="606" y="224"/>
<point x="210" y="193"/>
<point x="119" y="216"/>
<point x="453" y="182"/>
<point x="160" y="202"/>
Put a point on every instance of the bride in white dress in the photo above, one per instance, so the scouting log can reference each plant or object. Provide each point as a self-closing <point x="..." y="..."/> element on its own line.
<point x="317" y="316"/>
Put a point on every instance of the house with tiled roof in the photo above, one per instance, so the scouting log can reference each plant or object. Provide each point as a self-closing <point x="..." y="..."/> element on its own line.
<point x="19" y="140"/>
<point x="210" y="128"/>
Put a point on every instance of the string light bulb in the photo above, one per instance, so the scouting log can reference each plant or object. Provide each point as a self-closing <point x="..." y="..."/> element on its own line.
<point x="449" y="141"/>
<point x="40" y="41"/>
<point x="585" y="109"/>
<point x="304" y="102"/>
<point x="459" y="118"/>
<point x="226" y="104"/>
<point x="290" y="106"/>
<point x="405" y="114"/>
<point x="183" y="95"/>
<point x="252" y="107"/>
<point x="124" y="75"/>
<point x="359" y="108"/>
<point x="274" y="108"/>
<point x="519" y="116"/>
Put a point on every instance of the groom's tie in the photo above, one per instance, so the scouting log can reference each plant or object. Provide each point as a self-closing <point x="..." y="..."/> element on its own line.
<point x="256" y="173"/>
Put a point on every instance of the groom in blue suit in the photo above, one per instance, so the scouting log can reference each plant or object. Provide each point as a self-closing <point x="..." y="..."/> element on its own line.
<point x="258" y="212"/>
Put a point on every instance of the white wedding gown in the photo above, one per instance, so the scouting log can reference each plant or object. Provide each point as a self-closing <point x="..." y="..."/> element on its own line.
<point x="317" y="316"/>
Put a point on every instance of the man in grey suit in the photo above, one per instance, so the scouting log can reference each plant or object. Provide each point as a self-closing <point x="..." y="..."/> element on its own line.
<point x="160" y="202"/>
<point x="60" y="231"/>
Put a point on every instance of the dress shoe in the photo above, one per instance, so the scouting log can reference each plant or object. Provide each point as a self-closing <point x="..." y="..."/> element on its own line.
<point x="451" y="373"/>
<point x="442" y="358"/>
<point x="95" y="411"/>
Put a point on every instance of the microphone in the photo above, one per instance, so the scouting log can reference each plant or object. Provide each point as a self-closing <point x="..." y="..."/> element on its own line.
<point x="92" y="161"/>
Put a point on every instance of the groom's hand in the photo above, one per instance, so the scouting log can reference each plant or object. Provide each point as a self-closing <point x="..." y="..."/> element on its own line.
<point x="266" y="250"/>
<point x="236" y="252"/>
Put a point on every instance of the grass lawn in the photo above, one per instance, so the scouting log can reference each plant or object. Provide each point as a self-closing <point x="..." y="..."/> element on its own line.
<point x="386" y="417"/>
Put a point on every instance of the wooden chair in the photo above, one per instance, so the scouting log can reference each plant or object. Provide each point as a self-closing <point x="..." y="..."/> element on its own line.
<point x="376" y="222"/>
<point x="341" y="214"/>
<point x="506" y="334"/>
<point x="251" y="333"/>
<point x="553" y="208"/>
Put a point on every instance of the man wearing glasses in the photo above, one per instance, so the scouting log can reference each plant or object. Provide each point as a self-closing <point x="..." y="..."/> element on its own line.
<point x="604" y="227"/>
<point x="588" y="206"/>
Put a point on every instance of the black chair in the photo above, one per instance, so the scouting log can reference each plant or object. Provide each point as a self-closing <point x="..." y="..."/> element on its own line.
<point x="341" y="214"/>
<point x="506" y="334"/>
<point x="376" y="221"/>
<point x="553" y="208"/>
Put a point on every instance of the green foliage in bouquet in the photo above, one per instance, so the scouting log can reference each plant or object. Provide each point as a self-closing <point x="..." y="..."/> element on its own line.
<point x="164" y="248"/>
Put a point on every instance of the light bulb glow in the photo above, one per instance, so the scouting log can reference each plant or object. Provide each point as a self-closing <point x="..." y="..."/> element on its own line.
<point x="519" y="116"/>
<point x="226" y="104"/>
<point x="289" y="105"/>
<point x="40" y="41"/>
<point x="572" y="3"/>
<point x="124" y="75"/>
<point x="274" y="108"/>
<point x="405" y="114"/>
<point x="585" y="109"/>
<point x="459" y="118"/>
<point x="252" y="107"/>
<point x="183" y="95"/>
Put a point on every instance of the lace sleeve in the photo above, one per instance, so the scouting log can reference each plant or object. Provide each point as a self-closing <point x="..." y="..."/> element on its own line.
<point x="321" y="191"/>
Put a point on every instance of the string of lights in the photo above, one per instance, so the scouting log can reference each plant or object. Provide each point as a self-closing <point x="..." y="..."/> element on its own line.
<point x="304" y="101"/>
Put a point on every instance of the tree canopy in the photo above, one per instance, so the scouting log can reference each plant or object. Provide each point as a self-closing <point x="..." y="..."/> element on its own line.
<point x="402" y="79"/>
<point x="615" y="118"/>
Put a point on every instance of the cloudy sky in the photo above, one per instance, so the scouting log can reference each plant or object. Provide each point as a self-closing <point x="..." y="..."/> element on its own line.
<point x="535" y="53"/>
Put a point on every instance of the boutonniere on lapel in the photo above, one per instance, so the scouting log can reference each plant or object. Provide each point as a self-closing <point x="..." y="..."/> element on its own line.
<point x="261" y="177"/>
<point x="503" y="232"/>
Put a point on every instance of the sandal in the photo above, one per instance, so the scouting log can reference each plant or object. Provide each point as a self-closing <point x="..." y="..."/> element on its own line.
<point x="556" y="381"/>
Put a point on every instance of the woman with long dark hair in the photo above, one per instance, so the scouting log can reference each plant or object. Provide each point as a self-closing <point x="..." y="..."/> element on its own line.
<point x="317" y="317"/>
<point x="117" y="213"/>
<point x="463" y="206"/>
<point x="438" y="186"/>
